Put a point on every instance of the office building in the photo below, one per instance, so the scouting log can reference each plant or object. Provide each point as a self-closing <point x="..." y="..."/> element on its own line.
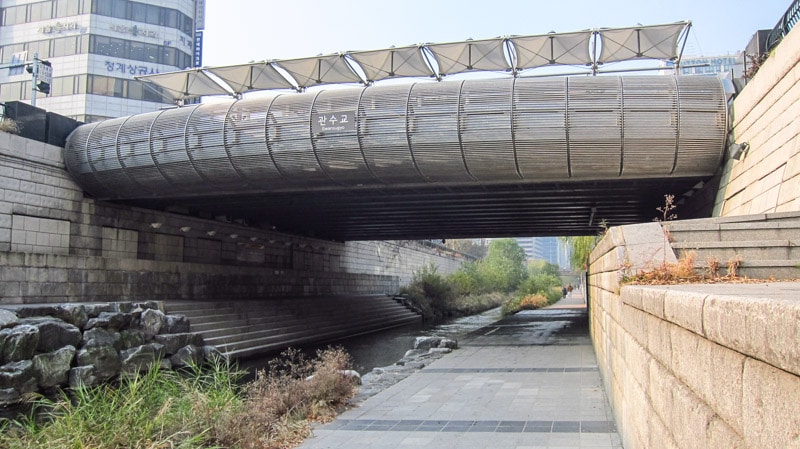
<point x="549" y="249"/>
<point x="95" y="48"/>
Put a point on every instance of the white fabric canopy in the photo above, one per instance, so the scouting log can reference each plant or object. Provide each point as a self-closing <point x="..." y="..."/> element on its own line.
<point x="186" y="84"/>
<point x="319" y="70"/>
<point x="526" y="52"/>
<point x="653" y="42"/>
<point x="391" y="63"/>
<point x="470" y="55"/>
<point x="246" y="77"/>
<point x="550" y="49"/>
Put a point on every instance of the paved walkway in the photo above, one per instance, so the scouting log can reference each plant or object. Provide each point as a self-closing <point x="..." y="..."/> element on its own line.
<point x="528" y="381"/>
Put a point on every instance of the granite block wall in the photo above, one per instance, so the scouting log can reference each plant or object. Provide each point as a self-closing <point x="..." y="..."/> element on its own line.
<point x="56" y="245"/>
<point x="766" y="115"/>
<point x="693" y="366"/>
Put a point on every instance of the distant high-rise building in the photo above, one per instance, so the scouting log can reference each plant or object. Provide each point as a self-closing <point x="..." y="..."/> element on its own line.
<point x="95" y="48"/>
<point x="549" y="249"/>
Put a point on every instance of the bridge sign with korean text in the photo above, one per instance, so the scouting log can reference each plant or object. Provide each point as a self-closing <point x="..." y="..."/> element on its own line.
<point x="333" y="122"/>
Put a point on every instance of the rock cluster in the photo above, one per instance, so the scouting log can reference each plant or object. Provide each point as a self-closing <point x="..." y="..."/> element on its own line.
<point x="44" y="347"/>
<point x="426" y="350"/>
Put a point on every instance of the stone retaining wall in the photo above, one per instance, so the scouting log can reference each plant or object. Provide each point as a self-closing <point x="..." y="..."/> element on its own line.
<point x="693" y="366"/>
<point x="58" y="246"/>
<point x="48" y="347"/>
<point x="766" y="115"/>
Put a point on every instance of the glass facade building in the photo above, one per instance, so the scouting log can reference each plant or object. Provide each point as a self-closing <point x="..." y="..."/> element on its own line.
<point x="96" y="47"/>
<point x="549" y="249"/>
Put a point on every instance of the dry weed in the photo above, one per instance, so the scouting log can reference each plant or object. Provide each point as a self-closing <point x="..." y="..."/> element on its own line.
<point x="9" y="126"/>
<point x="712" y="266"/>
<point x="281" y="401"/>
<point x="733" y="265"/>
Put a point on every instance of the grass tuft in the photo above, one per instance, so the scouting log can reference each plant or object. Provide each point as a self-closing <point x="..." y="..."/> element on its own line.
<point x="151" y="410"/>
<point x="197" y="408"/>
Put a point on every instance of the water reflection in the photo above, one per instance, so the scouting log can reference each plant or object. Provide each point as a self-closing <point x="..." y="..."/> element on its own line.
<point x="387" y="347"/>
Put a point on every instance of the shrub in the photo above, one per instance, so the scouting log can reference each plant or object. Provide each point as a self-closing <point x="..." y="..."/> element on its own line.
<point x="541" y="283"/>
<point x="279" y="402"/>
<point x="532" y="302"/>
<point x="430" y="292"/>
<point x="467" y="280"/>
<point x="528" y="302"/>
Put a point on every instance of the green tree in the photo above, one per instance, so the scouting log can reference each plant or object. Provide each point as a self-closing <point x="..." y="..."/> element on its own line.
<point x="580" y="249"/>
<point x="543" y="267"/>
<point x="503" y="268"/>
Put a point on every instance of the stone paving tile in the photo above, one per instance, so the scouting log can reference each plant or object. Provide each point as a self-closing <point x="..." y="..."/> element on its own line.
<point x="527" y="382"/>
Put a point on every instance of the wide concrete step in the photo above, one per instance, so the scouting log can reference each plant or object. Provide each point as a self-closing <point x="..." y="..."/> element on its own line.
<point x="265" y="345"/>
<point x="746" y="250"/>
<point x="249" y="332"/>
<point x="249" y="327"/>
<point x="305" y="335"/>
<point x="212" y="325"/>
<point x="782" y="226"/>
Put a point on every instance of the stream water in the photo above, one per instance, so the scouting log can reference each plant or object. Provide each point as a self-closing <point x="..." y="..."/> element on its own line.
<point x="387" y="347"/>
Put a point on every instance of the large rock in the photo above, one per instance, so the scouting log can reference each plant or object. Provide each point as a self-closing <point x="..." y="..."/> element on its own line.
<point x="121" y="307"/>
<point x="130" y="338"/>
<point x="54" y="333"/>
<point x="110" y="320"/>
<point x="19" y="376"/>
<point x="155" y="305"/>
<point x="83" y="376"/>
<point x="173" y="342"/>
<point x="176" y="324"/>
<point x="94" y="310"/>
<point x="74" y="314"/>
<point x="34" y="311"/>
<point x="52" y="369"/>
<point x="9" y="396"/>
<point x="152" y="321"/>
<point x="8" y="319"/>
<point x="105" y="360"/>
<point x="425" y="343"/>
<point x="141" y="358"/>
<point x="18" y="343"/>
<point x="448" y="343"/>
<point x="98" y="336"/>
<point x="213" y="355"/>
<point x="189" y="355"/>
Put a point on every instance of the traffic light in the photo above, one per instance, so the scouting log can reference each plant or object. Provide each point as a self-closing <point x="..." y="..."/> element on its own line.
<point x="45" y="76"/>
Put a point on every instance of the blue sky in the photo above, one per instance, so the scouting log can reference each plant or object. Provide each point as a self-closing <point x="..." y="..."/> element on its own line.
<point x="240" y="31"/>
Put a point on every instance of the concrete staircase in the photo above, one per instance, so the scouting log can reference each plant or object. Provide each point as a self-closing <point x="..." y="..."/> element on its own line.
<point x="767" y="244"/>
<point x="246" y="328"/>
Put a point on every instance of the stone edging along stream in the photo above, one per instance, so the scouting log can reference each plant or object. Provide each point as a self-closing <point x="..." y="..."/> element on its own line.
<point x="51" y="346"/>
<point x="426" y="350"/>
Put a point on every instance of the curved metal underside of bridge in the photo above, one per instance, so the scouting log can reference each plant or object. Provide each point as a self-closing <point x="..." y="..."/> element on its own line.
<point x="501" y="157"/>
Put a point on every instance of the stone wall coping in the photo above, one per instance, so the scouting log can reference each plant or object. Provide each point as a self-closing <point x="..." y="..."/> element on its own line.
<point x="757" y="320"/>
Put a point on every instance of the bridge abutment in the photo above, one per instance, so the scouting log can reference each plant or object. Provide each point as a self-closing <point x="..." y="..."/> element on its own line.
<point x="58" y="246"/>
<point x="699" y="365"/>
